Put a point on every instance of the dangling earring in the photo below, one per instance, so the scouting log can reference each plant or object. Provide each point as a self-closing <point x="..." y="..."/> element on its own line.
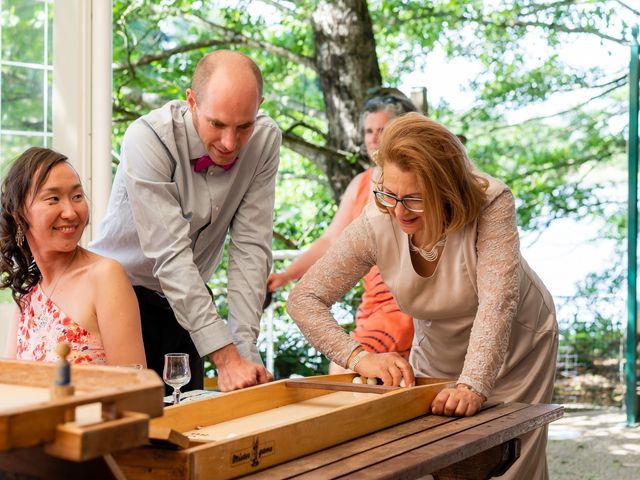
<point x="19" y="236"/>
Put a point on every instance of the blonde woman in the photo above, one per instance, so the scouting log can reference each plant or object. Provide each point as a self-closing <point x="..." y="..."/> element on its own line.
<point x="445" y="239"/>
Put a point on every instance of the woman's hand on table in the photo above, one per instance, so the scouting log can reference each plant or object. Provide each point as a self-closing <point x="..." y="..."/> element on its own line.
<point x="458" y="401"/>
<point x="390" y="367"/>
<point x="277" y="280"/>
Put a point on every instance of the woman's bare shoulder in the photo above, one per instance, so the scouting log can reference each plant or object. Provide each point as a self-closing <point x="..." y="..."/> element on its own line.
<point x="101" y="269"/>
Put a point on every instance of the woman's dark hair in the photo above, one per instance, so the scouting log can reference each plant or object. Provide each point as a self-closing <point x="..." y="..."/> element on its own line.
<point x="29" y="171"/>
<point x="388" y="100"/>
<point x="393" y="104"/>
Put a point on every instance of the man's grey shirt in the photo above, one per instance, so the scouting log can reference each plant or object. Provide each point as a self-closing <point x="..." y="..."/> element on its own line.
<point x="167" y="224"/>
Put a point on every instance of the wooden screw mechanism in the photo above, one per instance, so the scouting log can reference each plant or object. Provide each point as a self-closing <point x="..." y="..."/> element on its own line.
<point x="62" y="381"/>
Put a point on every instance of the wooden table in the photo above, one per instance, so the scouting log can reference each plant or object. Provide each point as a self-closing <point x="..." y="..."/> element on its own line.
<point x="477" y="447"/>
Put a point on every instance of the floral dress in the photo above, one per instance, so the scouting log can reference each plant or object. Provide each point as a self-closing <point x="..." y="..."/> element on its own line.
<point x="43" y="325"/>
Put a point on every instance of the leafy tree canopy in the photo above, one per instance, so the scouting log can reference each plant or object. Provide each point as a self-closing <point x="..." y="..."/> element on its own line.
<point x="320" y="58"/>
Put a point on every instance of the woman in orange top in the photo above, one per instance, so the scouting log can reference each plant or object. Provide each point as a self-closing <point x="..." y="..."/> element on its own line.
<point x="380" y="325"/>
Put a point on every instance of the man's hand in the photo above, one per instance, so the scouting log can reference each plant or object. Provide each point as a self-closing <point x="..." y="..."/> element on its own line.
<point x="236" y="372"/>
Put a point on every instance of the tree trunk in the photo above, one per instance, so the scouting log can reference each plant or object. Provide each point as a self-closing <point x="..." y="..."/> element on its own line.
<point x="347" y="66"/>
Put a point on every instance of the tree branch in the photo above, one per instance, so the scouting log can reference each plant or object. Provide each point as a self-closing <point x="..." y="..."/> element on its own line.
<point x="290" y="244"/>
<point x="240" y="39"/>
<point x="280" y="6"/>
<point x="564" y="112"/>
<point x="516" y="22"/>
<point x="147" y="59"/>
<point x="558" y="28"/>
<point x="633" y="10"/>
<point x="556" y="166"/>
<point x="319" y="155"/>
<point x="231" y="37"/>
<point x="293" y="126"/>
<point x="532" y="9"/>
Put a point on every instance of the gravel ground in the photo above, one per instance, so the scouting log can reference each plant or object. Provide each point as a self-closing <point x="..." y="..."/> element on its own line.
<point x="593" y="445"/>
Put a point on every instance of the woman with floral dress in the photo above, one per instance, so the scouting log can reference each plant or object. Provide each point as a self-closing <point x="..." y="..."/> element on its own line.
<point x="63" y="292"/>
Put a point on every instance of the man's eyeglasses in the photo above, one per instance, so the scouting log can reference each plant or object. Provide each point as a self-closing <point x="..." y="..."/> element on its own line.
<point x="413" y="204"/>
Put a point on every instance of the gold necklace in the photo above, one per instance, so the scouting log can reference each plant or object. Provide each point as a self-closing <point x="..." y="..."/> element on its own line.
<point x="55" y="285"/>
<point x="430" y="255"/>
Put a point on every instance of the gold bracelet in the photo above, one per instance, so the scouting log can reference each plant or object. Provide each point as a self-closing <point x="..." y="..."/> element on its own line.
<point x="356" y="359"/>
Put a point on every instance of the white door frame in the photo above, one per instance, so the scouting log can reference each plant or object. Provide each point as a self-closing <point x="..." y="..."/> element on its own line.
<point x="82" y="95"/>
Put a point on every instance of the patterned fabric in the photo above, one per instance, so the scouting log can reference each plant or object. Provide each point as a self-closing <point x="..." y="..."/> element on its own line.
<point x="43" y="325"/>
<point x="380" y="325"/>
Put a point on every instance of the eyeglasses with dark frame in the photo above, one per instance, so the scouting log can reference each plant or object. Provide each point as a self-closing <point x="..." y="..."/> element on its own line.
<point x="413" y="204"/>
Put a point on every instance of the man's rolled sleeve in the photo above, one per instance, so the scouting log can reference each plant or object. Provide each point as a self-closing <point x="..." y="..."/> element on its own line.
<point x="211" y="337"/>
<point x="250" y="250"/>
<point x="164" y="236"/>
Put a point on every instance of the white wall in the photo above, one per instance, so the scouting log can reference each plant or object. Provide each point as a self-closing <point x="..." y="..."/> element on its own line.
<point x="5" y="313"/>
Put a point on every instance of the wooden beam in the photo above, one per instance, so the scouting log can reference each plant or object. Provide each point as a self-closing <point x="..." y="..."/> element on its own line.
<point x="339" y="386"/>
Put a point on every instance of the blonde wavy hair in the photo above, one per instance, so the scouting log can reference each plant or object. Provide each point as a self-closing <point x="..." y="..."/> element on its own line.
<point x="453" y="194"/>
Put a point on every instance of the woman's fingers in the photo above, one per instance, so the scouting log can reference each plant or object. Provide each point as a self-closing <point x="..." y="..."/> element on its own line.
<point x="390" y="368"/>
<point x="455" y="402"/>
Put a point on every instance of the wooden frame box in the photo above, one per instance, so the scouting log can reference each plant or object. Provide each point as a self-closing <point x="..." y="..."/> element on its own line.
<point x="242" y="432"/>
<point x="126" y="397"/>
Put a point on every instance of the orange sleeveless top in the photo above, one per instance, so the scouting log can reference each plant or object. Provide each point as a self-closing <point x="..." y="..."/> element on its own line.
<point x="380" y="325"/>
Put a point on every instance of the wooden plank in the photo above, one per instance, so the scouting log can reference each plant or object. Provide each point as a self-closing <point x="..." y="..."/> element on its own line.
<point x="277" y="417"/>
<point x="77" y="443"/>
<point x="490" y="463"/>
<point x="350" y="448"/>
<point x="408" y="443"/>
<point x="34" y="463"/>
<point x="353" y="447"/>
<point x="237" y="458"/>
<point x="167" y="437"/>
<point x="227" y="406"/>
<point x="149" y="463"/>
<point x="339" y="386"/>
<point x="455" y="448"/>
<point x="27" y="425"/>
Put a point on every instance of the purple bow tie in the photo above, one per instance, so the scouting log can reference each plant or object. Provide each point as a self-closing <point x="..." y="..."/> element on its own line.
<point x="204" y="162"/>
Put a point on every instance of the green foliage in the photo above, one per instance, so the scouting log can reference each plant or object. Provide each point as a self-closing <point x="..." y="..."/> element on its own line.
<point x="518" y="48"/>
<point x="592" y="322"/>
<point x="5" y="296"/>
<point x="24" y="26"/>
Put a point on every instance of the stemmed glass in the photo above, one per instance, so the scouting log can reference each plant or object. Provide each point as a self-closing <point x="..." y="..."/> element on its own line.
<point x="176" y="372"/>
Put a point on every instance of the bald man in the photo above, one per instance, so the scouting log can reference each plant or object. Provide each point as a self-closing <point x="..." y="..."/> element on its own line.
<point x="190" y="173"/>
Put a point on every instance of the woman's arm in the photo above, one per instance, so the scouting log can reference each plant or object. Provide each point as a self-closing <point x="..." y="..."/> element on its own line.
<point x="12" y="333"/>
<point x="328" y="280"/>
<point x="117" y="313"/>
<point x="498" y="250"/>
<point x="318" y="248"/>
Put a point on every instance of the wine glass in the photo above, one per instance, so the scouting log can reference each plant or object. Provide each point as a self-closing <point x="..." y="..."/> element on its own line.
<point x="176" y="372"/>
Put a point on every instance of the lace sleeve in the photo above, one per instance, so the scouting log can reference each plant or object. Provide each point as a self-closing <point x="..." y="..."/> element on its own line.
<point x="328" y="280"/>
<point x="498" y="250"/>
